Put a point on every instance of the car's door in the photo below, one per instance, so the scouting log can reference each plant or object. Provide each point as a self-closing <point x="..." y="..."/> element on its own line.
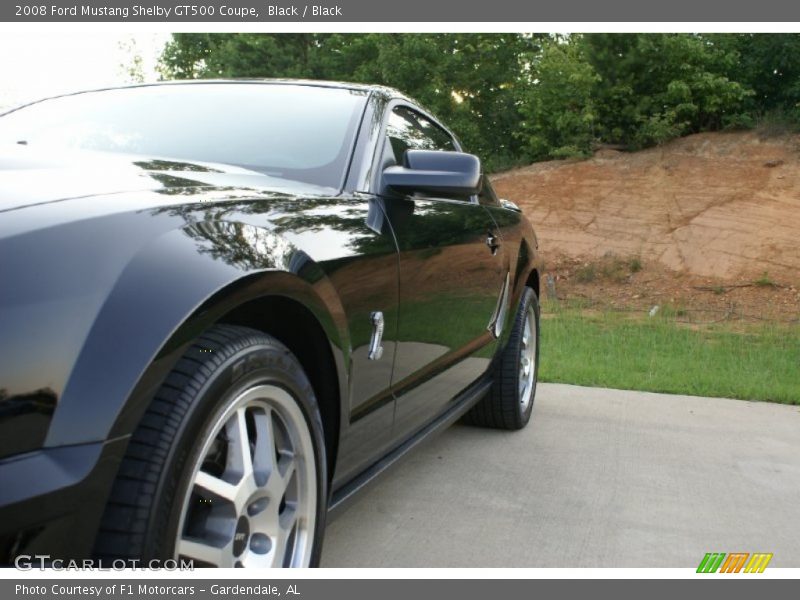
<point x="452" y="278"/>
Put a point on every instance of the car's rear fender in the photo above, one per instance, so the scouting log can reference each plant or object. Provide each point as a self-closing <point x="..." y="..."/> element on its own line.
<point x="526" y="270"/>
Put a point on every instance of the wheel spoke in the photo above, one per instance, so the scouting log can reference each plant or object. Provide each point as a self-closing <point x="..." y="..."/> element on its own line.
<point x="288" y="518"/>
<point x="278" y="552"/>
<point x="281" y="477"/>
<point x="288" y="472"/>
<point x="280" y="544"/>
<point x="216" y="486"/>
<point x="265" y="456"/>
<point x="267" y="521"/>
<point x="239" y="462"/>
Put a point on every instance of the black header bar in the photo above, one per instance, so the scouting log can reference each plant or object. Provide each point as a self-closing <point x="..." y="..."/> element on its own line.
<point x="412" y="11"/>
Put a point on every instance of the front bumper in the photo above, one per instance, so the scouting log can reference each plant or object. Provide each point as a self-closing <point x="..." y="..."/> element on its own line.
<point x="52" y="500"/>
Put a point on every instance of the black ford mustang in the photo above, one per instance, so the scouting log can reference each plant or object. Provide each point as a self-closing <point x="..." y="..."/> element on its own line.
<point x="225" y="306"/>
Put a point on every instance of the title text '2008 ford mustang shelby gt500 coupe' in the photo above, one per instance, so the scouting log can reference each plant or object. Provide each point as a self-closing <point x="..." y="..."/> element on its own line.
<point x="227" y="305"/>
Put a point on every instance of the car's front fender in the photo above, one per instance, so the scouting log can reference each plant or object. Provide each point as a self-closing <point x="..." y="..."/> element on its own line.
<point x="170" y="291"/>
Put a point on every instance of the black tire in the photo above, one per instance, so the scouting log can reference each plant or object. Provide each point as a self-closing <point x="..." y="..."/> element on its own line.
<point x="155" y="486"/>
<point x="503" y="408"/>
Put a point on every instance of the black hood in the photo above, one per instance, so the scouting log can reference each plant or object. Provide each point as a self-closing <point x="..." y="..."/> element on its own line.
<point x="31" y="176"/>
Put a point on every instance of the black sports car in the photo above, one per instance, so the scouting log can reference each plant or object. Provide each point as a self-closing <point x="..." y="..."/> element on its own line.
<point x="227" y="305"/>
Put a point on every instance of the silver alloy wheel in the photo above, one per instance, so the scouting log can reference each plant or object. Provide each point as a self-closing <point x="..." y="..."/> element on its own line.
<point x="251" y="500"/>
<point x="527" y="359"/>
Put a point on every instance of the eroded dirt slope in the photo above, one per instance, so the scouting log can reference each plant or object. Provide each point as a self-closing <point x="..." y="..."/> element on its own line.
<point x="715" y="205"/>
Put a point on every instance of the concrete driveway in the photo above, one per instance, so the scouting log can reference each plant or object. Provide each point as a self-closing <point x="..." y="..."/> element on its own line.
<point x="600" y="478"/>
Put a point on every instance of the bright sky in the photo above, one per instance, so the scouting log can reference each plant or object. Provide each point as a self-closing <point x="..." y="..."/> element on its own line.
<point x="34" y="65"/>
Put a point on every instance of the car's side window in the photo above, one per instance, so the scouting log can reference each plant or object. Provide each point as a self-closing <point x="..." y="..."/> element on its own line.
<point x="409" y="130"/>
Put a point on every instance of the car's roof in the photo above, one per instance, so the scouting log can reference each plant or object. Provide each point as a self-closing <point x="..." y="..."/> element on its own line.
<point x="374" y="89"/>
<point x="387" y="93"/>
<point x="379" y="90"/>
<point x="280" y="81"/>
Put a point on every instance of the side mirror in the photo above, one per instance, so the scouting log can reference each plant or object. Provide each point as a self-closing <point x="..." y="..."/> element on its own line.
<point x="436" y="172"/>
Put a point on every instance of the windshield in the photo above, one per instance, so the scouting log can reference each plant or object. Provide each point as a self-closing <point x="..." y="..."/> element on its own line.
<point x="299" y="132"/>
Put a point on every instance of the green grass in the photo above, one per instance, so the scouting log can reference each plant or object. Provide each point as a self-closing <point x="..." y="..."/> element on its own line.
<point x="765" y="281"/>
<point x="610" y="267"/>
<point x="607" y="349"/>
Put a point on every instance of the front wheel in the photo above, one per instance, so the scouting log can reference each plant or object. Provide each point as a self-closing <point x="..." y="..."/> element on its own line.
<point x="227" y="468"/>
<point x="509" y="403"/>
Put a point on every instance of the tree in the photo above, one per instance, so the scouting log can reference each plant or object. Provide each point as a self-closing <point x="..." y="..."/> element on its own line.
<point x="133" y="69"/>
<point x="557" y="105"/>
<point x="513" y="98"/>
<point x="469" y="78"/>
<point x="654" y="87"/>
<point x="768" y="64"/>
<point x="210" y="55"/>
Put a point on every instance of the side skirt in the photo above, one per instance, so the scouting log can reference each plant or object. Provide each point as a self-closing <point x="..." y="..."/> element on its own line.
<point x="342" y="496"/>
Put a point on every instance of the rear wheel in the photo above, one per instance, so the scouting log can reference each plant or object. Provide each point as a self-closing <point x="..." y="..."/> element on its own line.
<point x="510" y="400"/>
<point x="227" y="467"/>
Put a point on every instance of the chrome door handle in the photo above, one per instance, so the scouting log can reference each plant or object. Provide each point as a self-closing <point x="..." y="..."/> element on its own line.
<point x="492" y="242"/>
<point x="375" y="348"/>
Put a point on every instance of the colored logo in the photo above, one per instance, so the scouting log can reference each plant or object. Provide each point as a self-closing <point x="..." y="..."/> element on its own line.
<point x="737" y="562"/>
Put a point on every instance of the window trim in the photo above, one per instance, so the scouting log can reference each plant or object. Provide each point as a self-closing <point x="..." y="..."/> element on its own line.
<point x="417" y="115"/>
<point x="375" y="182"/>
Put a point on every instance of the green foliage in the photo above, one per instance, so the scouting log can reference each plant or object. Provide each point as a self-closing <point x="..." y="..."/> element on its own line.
<point x="468" y="78"/>
<point x="514" y="98"/>
<point x="658" y="354"/>
<point x="557" y="103"/>
<point x="765" y="281"/>
<point x="609" y="267"/>
<point x="655" y="87"/>
<point x="769" y="65"/>
<point x="220" y="55"/>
